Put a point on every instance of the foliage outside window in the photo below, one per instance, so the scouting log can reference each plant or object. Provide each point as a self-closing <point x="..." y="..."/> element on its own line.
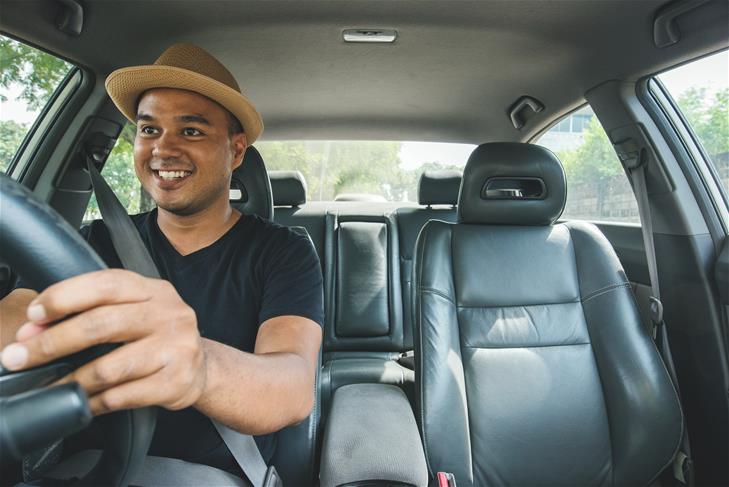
<point x="28" y="78"/>
<point x="701" y="91"/>
<point x="597" y="187"/>
<point x="119" y="173"/>
<point x="390" y="170"/>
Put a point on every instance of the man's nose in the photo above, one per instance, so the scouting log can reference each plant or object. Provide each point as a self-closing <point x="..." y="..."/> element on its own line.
<point x="166" y="146"/>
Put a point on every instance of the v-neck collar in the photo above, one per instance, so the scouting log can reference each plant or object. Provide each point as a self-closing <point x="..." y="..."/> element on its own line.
<point x="159" y="234"/>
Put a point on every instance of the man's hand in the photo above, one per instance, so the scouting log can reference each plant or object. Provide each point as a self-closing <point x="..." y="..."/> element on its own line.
<point x="162" y="361"/>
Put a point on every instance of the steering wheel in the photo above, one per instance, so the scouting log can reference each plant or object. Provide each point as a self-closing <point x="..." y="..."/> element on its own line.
<point x="43" y="248"/>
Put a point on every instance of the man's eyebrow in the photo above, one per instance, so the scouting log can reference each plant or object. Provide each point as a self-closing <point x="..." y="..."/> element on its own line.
<point x="194" y="118"/>
<point x="144" y="117"/>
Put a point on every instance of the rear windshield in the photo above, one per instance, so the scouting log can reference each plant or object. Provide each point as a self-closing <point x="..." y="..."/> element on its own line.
<point x="386" y="170"/>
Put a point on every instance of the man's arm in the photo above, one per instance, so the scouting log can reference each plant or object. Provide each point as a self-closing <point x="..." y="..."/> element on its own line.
<point x="279" y="377"/>
<point x="12" y="314"/>
<point x="163" y="360"/>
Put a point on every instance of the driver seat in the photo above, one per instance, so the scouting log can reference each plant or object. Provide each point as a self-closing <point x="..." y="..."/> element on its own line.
<point x="295" y="454"/>
<point x="532" y="365"/>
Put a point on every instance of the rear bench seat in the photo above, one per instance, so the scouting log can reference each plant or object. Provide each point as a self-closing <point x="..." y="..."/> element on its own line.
<point x="366" y="253"/>
<point x="363" y="333"/>
<point x="289" y="194"/>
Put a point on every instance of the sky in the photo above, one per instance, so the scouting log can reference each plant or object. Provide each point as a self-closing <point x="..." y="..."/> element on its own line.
<point x="711" y="72"/>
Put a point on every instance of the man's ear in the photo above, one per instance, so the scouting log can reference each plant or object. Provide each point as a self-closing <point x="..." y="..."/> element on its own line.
<point x="238" y="143"/>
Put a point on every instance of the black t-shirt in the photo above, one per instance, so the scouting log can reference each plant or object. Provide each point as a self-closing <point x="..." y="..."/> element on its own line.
<point x="256" y="271"/>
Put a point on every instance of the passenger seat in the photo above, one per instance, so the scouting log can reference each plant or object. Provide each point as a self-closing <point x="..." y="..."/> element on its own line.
<point x="533" y="365"/>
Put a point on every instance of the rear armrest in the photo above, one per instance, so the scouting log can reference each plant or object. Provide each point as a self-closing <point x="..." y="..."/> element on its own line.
<point x="371" y="435"/>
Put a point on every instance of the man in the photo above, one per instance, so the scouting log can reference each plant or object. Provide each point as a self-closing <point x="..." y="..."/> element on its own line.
<point x="233" y="330"/>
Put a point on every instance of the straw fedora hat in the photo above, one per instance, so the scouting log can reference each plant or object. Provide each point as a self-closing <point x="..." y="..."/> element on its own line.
<point x="186" y="67"/>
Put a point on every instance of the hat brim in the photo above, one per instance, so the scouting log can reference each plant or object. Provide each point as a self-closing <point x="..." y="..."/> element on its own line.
<point x="126" y="85"/>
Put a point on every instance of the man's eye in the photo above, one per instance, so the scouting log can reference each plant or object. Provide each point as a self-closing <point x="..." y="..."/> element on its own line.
<point x="148" y="130"/>
<point x="190" y="132"/>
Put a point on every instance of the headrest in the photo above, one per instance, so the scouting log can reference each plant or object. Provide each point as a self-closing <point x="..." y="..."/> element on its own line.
<point x="511" y="183"/>
<point x="439" y="187"/>
<point x="250" y="188"/>
<point x="289" y="188"/>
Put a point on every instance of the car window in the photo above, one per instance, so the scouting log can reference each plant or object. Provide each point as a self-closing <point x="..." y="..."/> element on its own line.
<point x="119" y="173"/>
<point x="597" y="186"/>
<point x="700" y="89"/>
<point x="382" y="168"/>
<point x="28" y="79"/>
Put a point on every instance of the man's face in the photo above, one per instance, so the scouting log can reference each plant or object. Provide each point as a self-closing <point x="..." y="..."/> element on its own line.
<point x="183" y="152"/>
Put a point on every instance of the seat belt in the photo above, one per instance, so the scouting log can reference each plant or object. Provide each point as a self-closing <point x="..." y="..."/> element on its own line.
<point x="682" y="464"/>
<point x="134" y="256"/>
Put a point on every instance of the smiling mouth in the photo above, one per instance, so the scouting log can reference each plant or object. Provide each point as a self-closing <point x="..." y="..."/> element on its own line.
<point x="172" y="175"/>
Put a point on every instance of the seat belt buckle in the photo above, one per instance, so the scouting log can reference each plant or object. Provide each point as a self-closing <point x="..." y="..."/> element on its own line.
<point x="272" y="479"/>
<point x="682" y="467"/>
<point x="656" y="310"/>
<point x="446" y="479"/>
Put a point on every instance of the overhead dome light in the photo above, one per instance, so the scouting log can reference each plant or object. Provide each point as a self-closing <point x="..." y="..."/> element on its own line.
<point x="369" y="35"/>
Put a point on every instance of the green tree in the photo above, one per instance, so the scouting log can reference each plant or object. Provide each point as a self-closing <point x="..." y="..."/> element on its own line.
<point x="11" y="136"/>
<point x="708" y="115"/>
<point x="594" y="160"/>
<point x="38" y="73"/>
<point x="335" y="167"/>
<point x="119" y="173"/>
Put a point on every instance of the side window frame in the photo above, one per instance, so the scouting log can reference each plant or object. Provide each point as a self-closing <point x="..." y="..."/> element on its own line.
<point x="21" y="164"/>
<point x="48" y="116"/>
<point x="700" y="172"/>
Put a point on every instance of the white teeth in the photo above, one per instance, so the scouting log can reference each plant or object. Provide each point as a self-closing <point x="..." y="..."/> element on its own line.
<point x="172" y="174"/>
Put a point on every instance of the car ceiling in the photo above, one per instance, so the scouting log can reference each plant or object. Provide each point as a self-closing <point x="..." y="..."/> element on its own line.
<point x="451" y="75"/>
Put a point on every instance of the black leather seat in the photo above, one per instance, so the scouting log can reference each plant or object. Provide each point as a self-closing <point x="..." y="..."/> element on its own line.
<point x="363" y="333"/>
<point x="250" y="188"/>
<point x="289" y="188"/>
<point x="532" y="366"/>
<point x="295" y="455"/>
<point x="438" y="193"/>
<point x="289" y="199"/>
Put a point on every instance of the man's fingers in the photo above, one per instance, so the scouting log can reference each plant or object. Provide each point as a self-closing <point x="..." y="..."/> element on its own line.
<point x="29" y="330"/>
<point x="106" y="324"/>
<point x="135" y="394"/>
<point x="127" y="363"/>
<point x="80" y="293"/>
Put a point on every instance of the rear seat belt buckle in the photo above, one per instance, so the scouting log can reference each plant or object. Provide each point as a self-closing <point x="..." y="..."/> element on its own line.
<point x="446" y="479"/>
<point x="682" y="467"/>
<point x="656" y="309"/>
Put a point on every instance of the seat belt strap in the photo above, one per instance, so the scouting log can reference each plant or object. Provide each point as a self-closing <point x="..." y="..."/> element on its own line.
<point x="135" y="257"/>
<point x="682" y="465"/>
<point x="124" y="235"/>
<point x="246" y="452"/>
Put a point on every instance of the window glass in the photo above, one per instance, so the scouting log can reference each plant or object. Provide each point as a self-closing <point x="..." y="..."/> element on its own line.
<point x="119" y="173"/>
<point x="28" y="78"/>
<point x="597" y="187"/>
<point x="389" y="170"/>
<point x="701" y="91"/>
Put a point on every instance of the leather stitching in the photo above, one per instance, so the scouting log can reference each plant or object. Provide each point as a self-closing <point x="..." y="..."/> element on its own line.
<point x="438" y="293"/>
<point x="500" y="306"/>
<point x="477" y="347"/>
<point x="592" y="349"/>
<point x="419" y="355"/>
<point x="605" y="290"/>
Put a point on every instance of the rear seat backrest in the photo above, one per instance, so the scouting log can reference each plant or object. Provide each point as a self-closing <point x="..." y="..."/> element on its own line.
<point x="289" y="193"/>
<point x="434" y="188"/>
<point x="363" y="289"/>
